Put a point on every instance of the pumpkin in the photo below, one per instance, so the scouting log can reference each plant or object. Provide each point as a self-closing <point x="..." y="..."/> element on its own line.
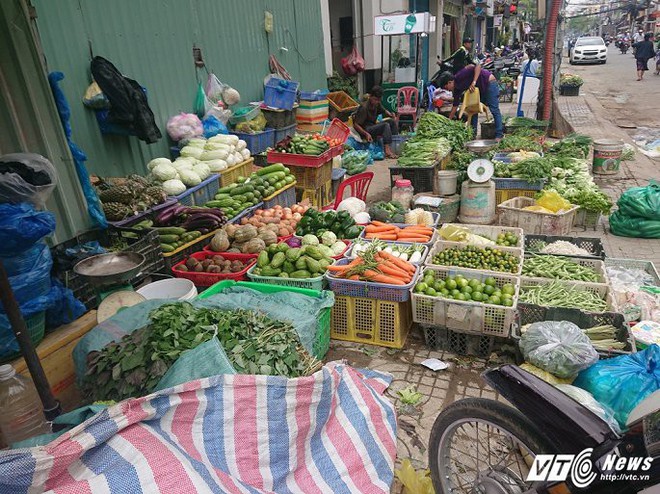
<point x="268" y="236"/>
<point x="245" y="232"/>
<point x="220" y="242"/>
<point x="230" y="228"/>
<point x="253" y="246"/>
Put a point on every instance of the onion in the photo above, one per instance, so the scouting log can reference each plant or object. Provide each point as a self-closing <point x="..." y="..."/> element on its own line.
<point x="294" y="242"/>
<point x="268" y="214"/>
<point x="296" y="216"/>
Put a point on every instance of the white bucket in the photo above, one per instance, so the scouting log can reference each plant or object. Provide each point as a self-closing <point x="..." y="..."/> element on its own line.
<point x="447" y="182"/>
<point x="172" y="289"/>
<point x="607" y="156"/>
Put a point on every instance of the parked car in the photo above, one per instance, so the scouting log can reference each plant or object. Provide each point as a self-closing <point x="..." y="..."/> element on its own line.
<point x="589" y="49"/>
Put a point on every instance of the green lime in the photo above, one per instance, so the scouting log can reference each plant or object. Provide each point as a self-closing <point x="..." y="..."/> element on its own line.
<point x="450" y="283"/>
<point x="489" y="289"/>
<point x="461" y="282"/>
<point x="474" y="283"/>
<point x="438" y="285"/>
<point x="421" y="287"/>
<point x="476" y="296"/>
<point x="431" y="292"/>
<point x="494" y="300"/>
<point x="507" y="302"/>
<point x="445" y="292"/>
<point x="508" y="289"/>
<point x="490" y="281"/>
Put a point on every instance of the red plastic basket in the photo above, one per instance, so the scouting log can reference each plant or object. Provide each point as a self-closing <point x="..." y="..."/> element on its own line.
<point x="209" y="279"/>
<point x="338" y="130"/>
<point x="301" y="159"/>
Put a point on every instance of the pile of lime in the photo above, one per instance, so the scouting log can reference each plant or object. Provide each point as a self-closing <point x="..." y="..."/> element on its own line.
<point x="465" y="289"/>
<point x="475" y="257"/>
<point x="507" y="239"/>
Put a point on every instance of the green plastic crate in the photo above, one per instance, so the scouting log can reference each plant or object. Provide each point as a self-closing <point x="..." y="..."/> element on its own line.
<point x="322" y="339"/>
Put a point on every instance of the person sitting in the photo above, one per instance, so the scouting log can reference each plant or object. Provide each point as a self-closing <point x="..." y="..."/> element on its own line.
<point x="442" y="100"/>
<point x="366" y="122"/>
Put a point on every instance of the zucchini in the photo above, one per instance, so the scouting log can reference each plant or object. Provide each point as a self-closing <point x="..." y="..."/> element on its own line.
<point x="241" y="190"/>
<point x="279" y="167"/>
<point x="289" y="179"/>
<point x="227" y="189"/>
<point x="167" y="248"/>
<point x="168" y="239"/>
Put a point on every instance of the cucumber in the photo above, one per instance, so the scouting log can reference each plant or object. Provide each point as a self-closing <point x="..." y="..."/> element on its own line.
<point x="242" y="190"/>
<point x="289" y="179"/>
<point x="279" y="167"/>
<point x="170" y="230"/>
<point x="168" y="239"/>
<point x="227" y="189"/>
<point x="167" y="248"/>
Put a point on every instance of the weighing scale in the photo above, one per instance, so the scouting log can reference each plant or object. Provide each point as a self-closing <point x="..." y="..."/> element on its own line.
<point x="478" y="192"/>
<point x="110" y="275"/>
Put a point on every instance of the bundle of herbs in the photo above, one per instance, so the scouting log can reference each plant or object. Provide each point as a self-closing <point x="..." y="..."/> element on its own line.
<point x="254" y="343"/>
<point x="526" y="140"/>
<point x="573" y="145"/>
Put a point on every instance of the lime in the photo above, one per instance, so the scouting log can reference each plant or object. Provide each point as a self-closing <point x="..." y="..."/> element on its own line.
<point x="431" y="292"/>
<point x="445" y="292"/>
<point x="438" y="285"/>
<point x="507" y="302"/>
<point x="474" y="283"/>
<point x="466" y="289"/>
<point x="460" y="296"/>
<point x="421" y="287"/>
<point x="490" y="281"/>
<point x="429" y="279"/>
<point x="489" y="289"/>
<point x="450" y="283"/>
<point x="508" y="289"/>
<point x="494" y="300"/>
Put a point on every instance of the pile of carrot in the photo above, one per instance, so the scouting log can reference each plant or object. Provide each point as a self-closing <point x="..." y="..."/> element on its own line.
<point x="386" y="231"/>
<point x="382" y="267"/>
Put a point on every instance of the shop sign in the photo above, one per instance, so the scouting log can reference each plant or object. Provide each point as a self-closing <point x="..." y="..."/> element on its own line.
<point x="388" y="25"/>
<point x="497" y="20"/>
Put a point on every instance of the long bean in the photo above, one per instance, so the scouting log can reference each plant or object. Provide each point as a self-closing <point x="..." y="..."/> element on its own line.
<point x="560" y="268"/>
<point x="557" y="294"/>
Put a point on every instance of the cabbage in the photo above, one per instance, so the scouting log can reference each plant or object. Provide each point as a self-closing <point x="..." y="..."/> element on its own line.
<point x="241" y="145"/>
<point x="158" y="161"/>
<point x="189" y="178"/>
<point x="245" y="153"/>
<point x="216" y="165"/>
<point x="310" y="239"/>
<point x="164" y="172"/>
<point x="338" y="248"/>
<point x="196" y="142"/>
<point x="173" y="187"/>
<point x="202" y="169"/>
<point x="191" y="152"/>
<point x="184" y="163"/>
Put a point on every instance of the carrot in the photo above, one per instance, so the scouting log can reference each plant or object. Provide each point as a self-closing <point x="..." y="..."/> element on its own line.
<point x="396" y="272"/>
<point x="398" y="262"/>
<point x="379" y="223"/>
<point x="378" y="229"/>
<point x="421" y="230"/>
<point x="382" y="236"/>
<point x="381" y="278"/>
<point x="355" y="277"/>
<point x="413" y="238"/>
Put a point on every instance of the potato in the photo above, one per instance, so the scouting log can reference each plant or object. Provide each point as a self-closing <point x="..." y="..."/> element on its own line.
<point x="198" y="268"/>
<point x="218" y="258"/>
<point x="183" y="267"/>
<point x="206" y="263"/>
<point x="213" y="269"/>
<point x="190" y="263"/>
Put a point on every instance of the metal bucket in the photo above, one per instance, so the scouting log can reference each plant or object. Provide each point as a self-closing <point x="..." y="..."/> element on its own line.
<point x="447" y="182"/>
<point x="607" y="156"/>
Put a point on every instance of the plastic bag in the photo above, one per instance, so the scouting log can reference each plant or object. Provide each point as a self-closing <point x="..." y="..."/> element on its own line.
<point x="32" y="278"/>
<point x="214" y="88"/>
<point x="414" y="481"/>
<point x="184" y="126"/>
<point x="558" y="347"/>
<point x="553" y="201"/>
<point x="636" y="227"/>
<point x="641" y="202"/>
<point x="456" y="233"/>
<point x="353" y="62"/>
<point x="546" y="376"/>
<point x="586" y="399"/>
<point x="621" y="383"/>
<point x="376" y="151"/>
<point x="94" y="98"/>
<point x="219" y="112"/>
<point x="202" y="103"/>
<point x="355" y="162"/>
<point x="26" y="177"/>
<point x="213" y="126"/>
<point x="67" y="308"/>
<point x="21" y="226"/>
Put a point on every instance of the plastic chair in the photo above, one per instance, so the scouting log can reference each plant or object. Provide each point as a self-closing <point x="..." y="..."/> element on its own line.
<point x="431" y="89"/>
<point x="410" y="103"/>
<point x="358" y="184"/>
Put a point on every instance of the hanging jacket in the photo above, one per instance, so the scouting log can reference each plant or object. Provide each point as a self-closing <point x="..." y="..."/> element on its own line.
<point x="128" y="102"/>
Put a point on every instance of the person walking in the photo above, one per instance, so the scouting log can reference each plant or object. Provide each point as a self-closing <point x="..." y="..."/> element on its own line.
<point x="365" y="121"/>
<point x="643" y="53"/>
<point x="469" y="78"/>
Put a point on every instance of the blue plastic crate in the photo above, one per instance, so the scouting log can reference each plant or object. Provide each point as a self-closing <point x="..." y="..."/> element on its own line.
<point x="367" y="289"/>
<point x="200" y="194"/>
<point x="279" y="93"/>
<point x="259" y="141"/>
<point x="317" y="95"/>
<point x="284" y="132"/>
<point x="517" y="183"/>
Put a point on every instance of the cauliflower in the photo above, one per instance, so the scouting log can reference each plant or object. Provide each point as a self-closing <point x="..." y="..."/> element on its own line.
<point x="328" y="238"/>
<point x="338" y="248"/>
<point x="310" y="239"/>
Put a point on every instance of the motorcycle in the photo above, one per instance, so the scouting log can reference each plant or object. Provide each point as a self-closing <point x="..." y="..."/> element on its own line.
<point x="623" y="46"/>
<point x="479" y="445"/>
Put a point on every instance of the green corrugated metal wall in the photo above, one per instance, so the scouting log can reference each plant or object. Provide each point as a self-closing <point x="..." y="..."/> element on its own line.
<point x="151" y="41"/>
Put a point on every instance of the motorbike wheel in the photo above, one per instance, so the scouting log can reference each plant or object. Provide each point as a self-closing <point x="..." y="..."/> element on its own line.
<point x="480" y="445"/>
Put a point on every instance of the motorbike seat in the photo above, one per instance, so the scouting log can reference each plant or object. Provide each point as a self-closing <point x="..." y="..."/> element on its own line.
<point x="647" y="406"/>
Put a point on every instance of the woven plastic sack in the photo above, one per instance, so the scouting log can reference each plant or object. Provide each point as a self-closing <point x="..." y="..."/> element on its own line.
<point x="636" y="227"/>
<point x="21" y="227"/>
<point x="26" y="177"/>
<point x="641" y="202"/>
<point x="621" y="383"/>
<point x="558" y="347"/>
<point x="586" y="399"/>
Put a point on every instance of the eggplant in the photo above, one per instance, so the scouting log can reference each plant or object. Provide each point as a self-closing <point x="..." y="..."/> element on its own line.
<point x="166" y="216"/>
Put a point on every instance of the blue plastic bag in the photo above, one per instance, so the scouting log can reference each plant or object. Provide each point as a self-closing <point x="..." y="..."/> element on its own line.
<point x="213" y="126"/>
<point x="32" y="277"/>
<point x="621" y="383"/>
<point x="21" y="226"/>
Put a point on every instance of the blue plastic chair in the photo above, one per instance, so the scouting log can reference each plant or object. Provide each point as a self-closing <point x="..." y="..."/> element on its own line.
<point x="431" y="89"/>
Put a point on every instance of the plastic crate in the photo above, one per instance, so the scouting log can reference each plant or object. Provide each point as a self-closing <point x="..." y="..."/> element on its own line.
<point x="277" y="118"/>
<point x="502" y="195"/>
<point x="368" y="289"/>
<point x="285" y="197"/>
<point x="516" y="183"/>
<point x="600" y="289"/>
<point x="425" y="250"/>
<point x="596" y="264"/>
<point x="370" y="321"/>
<point x="423" y="178"/>
<point x="259" y="141"/>
<point x="318" y="95"/>
<point x="439" y="338"/>
<point x="229" y="176"/>
<point x="491" y="232"/>
<point x="511" y="213"/>
<point x="200" y="194"/>
<point x="338" y="130"/>
<point x="131" y="220"/>
<point x="244" y="114"/>
<point x="207" y="279"/>
<point x="311" y="178"/>
<point x="318" y="197"/>
<point x="430" y="243"/>
<point x="312" y="112"/>
<point x="144" y="242"/>
<point x="284" y="132"/>
<point x="463" y="316"/>
<point x="36" y="327"/>
<point x="531" y="314"/>
<point x="646" y="266"/>
<point x="441" y="245"/>
<point x="587" y="219"/>
<point x="447" y="210"/>
<point x="342" y="105"/>
<point x="569" y="90"/>
<point x="176" y="256"/>
<point x="310" y="283"/>
<point x="260" y="159"/>
<point x="301" y="160"/>
<point x="322" y="338"/>
<point x="280" y="93"/>
<point x="398" y="141"/>
<point x="534" y="243"/>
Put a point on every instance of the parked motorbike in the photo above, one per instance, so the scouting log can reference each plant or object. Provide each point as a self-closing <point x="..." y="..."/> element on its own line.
<point x="479" y="445"/>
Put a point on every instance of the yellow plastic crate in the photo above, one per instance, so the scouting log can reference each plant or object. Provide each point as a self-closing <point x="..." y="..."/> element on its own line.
<point x="317" y="197"/>
<point x="502" y="195"/>
<point x="230" y="175"/>
<point x="371" y="321"/>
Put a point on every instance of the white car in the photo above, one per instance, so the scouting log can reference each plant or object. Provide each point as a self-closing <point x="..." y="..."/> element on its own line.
<point x="589" y="49"/>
